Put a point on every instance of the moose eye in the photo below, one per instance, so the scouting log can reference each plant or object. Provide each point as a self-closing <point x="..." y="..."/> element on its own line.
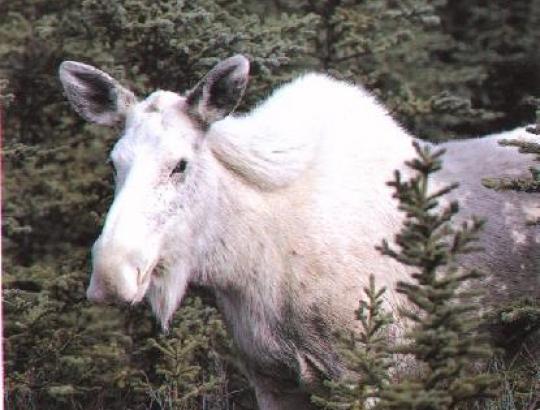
<point x="180" y="167"/>
<point x="111" y="166"/>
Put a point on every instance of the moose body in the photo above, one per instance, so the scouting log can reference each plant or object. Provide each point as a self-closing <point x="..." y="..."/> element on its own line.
<point x="278" y="212"/>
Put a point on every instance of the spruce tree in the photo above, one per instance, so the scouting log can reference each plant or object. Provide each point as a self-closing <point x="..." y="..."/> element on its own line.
<point x="498" y="41"/>
<point x="180" y="381"/>
<point x="531" y="184"/>
<point x="443" y="339"/>
<point x="514" y="327"/>
<point x="365" y="354"/>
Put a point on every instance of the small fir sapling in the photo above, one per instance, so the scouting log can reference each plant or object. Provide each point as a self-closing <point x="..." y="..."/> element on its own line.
<point x="531" y="184"/>
<point x="442" y="339"/>
<point x="366" y="355"/>
<point x="181" y="381"/>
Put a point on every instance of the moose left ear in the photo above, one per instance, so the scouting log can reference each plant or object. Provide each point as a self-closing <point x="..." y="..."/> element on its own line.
<point x="94" y="94"/>
<point x="220" y="91"/>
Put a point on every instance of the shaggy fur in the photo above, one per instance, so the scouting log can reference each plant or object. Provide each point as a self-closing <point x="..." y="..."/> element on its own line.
<point x="278" y="212"/>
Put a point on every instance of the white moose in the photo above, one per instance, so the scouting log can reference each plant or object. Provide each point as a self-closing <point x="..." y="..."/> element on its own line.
<point x="278" y="211"/>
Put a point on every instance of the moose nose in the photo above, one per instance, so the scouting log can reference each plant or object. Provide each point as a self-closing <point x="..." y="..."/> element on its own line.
<point x="96" y="294"/>
<point x="113" y="285"/>
<point x="97" y="291"/>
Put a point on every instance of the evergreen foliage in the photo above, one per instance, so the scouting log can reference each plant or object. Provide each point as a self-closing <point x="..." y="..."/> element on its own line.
<point x="443" y="339"/>
<point x="498" y="43"/>
<point x="511" y="325"/>
<point x="531" y="184"/>
<point x="366" y="355"/>
<point x="55" y="357"/>
<point x="191" y="368"/>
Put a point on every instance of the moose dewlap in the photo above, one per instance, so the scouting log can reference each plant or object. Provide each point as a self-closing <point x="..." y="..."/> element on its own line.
<point x="278" y="211"/>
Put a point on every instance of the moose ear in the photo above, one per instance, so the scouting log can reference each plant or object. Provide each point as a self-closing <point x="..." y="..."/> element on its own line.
<point x="95" y="95"/>
<point x="220" y="91"/>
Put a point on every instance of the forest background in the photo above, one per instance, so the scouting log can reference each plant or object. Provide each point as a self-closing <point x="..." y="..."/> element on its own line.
<point x="444" y="68"/>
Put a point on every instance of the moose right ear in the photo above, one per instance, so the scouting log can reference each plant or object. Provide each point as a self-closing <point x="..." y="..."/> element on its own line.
<point x="220" y="91"/>
<point x="95" y="95"/>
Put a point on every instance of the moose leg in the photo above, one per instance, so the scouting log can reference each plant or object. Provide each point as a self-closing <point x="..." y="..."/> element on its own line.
<point x="270" y="400"/>
<point x="272" y="395"/>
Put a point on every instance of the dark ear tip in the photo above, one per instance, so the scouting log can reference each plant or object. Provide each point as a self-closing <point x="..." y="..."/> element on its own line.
<point x="69" y="68"/>
<point x="72" y="68"/>
<point x="239" y="62"/>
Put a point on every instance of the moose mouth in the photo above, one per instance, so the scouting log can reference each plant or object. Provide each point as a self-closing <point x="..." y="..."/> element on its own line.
<point x="144" y="278"/>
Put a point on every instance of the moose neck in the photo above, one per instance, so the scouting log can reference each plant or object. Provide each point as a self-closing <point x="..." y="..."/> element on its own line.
<point x="242" y="265"/>
<point x="238" y="245"/>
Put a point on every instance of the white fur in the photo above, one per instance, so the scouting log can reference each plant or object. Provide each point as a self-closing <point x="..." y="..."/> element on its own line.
<point x="279" y="212"/>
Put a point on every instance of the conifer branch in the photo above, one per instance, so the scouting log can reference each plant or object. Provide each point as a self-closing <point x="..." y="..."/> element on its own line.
<point x="442" y="339"/>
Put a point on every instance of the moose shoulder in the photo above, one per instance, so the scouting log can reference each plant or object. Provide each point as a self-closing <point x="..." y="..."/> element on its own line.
<point x="277" y="211"/>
